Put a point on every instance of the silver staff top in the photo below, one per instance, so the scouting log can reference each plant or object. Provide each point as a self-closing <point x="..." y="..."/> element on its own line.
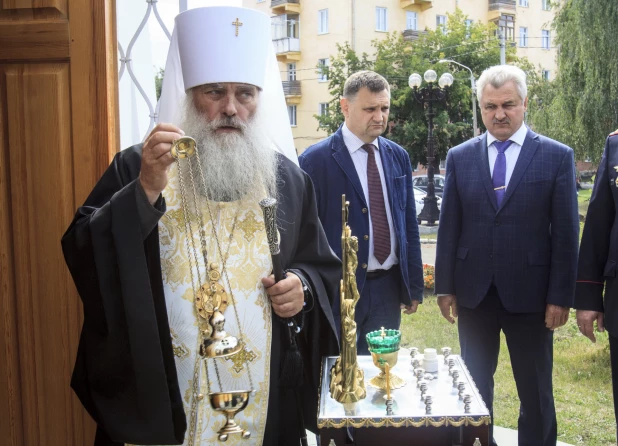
<point x="269" y="207"/>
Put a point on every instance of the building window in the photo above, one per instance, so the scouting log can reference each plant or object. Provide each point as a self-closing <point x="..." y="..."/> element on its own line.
<point x="545" y="74"/>
<point x="523" y="36"/>
<point x="292" y="115"/>
<point x="441" y="23"/>
<point x="285" y="25"/>
<point x="293" y="30"/>
<point x="506" y="26"/>
<point x="468" y="27"/>
<point x="411" y="20"/>
<point x="323" y="21"/>
<point x="546" y="5"/>
<point x="322" y="73"/>
<point x="291" y="71"/>
<point x="545" y="38"/>
<point x="523" y="3"/>
<point x="323" y="108"/>
<point x="381" y="24"/>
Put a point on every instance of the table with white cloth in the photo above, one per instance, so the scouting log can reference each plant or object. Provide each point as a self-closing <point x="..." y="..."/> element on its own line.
<point x="367" y="423"/>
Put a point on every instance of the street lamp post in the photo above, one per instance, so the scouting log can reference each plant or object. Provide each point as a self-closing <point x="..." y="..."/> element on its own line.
<point x="428" y="95"/>
<point x="473" y="85"/>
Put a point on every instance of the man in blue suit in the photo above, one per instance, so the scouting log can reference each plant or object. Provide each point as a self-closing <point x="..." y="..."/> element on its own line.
<point x="507" y="249"/>
<point x="375" y="175"/>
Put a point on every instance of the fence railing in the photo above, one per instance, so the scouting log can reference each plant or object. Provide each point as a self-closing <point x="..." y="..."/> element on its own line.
<point x="412" y="34"/>
<point x="502" y="4"/>
<point x="274" y="3"/>
<point x="286" y="45"/>
<point x="291" y="88"/>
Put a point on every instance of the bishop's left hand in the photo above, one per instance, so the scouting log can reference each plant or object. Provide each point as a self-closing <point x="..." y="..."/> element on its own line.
<point x="556" y="316"/>
<point x="287" y="296"/>
<point x="409" y="309"/>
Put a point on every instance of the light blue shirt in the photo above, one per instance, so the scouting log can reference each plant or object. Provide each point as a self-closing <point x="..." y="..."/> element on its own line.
<point x="360" y="157"/>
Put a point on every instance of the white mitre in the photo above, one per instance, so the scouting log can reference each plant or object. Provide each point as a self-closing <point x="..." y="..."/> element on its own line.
<point x="226" y="44"/>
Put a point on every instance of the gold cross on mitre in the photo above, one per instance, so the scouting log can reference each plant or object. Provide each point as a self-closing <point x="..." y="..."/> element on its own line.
<point x="237" y="23"/>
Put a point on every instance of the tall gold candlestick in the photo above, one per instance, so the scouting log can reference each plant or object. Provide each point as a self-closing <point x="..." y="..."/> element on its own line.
<point x="347" y="384"/>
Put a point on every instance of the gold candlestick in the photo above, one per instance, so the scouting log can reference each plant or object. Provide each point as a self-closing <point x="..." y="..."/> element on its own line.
<point x="347" y="383"/>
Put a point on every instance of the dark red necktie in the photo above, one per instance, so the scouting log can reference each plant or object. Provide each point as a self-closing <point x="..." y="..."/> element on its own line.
<point x="381" y="231"/>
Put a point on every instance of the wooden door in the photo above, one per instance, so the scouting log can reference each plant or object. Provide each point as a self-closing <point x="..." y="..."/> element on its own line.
<point x="58" y="130"/>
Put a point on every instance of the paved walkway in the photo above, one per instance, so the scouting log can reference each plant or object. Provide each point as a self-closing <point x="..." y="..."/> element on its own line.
<point x="428" y="253"/>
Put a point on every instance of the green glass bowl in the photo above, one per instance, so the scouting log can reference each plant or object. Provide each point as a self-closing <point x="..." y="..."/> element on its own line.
<point x="383" y="344"/>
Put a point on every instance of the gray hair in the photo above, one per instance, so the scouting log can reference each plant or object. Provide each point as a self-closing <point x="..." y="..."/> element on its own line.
<point x="367" y="79"/>
<point x="499" y="75"/>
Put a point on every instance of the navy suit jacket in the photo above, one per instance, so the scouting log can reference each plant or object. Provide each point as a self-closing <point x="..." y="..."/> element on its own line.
<point x="598" y="255"/>
<point x="528" y="245"/>
<point x="332" y="170"/>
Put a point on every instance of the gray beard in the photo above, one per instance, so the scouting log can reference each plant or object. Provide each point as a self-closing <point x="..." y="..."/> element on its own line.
<point x="235" y="166"/>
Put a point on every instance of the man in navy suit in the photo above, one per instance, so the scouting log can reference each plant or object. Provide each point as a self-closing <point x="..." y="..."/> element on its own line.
<point x="598" y="257"/>
<point x="375" y="175"/>
<point x="507" y="249"/>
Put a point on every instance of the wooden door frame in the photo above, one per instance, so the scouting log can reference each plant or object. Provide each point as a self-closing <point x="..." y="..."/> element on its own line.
<point x="72" y="45"/>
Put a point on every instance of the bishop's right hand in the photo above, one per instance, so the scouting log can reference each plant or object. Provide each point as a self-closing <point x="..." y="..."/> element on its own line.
<point x="157" y="159"/>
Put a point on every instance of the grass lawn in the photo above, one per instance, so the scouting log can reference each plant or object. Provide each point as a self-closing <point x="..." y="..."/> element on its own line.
<point x="429" y="237"/>
<point x="582" y="382"/>
<point x="583" y="200"/>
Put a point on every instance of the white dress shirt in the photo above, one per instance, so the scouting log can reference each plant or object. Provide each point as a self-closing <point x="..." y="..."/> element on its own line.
<point x="359" y="157"/>
<point x="511" y="154"/>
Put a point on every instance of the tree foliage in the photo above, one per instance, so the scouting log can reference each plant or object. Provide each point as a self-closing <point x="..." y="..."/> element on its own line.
<point x="475" y="46"/>
<point x="580" y="107"/>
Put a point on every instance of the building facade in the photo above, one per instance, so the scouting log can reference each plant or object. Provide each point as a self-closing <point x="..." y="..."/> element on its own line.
<point x="306" y="34"/>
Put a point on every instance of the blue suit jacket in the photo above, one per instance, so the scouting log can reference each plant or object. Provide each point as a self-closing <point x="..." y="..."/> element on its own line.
<point x="527" y="246"/>
<point x="332" y="170"/>
<point x="598" y="255"/>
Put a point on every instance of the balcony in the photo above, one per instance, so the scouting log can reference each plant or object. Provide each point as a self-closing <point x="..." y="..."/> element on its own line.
<point x="410" y="35"/>
<point x="287" y="49"/>
<point x="498" y="7"/>
<point x="415" y="5"/>
<point x="285" y="6"/>
<point x="292" y="92"/>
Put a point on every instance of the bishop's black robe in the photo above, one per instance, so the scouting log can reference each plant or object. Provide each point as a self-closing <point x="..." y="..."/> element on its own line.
<point x="125" y="374"/>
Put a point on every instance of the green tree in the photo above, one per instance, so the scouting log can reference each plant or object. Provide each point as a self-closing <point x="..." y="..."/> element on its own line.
<point x="580" y="107"/>
<point x="475" y="46"/>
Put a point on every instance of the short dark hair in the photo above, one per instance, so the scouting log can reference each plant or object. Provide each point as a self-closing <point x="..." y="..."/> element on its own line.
<point x="367" y="79"/>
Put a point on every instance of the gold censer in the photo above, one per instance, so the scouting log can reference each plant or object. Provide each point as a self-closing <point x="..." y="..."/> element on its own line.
<point x="211" y="299"/>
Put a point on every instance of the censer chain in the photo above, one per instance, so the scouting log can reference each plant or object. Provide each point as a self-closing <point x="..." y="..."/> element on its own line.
<point x="224" y="271"/>
<point x="190" y="243"/>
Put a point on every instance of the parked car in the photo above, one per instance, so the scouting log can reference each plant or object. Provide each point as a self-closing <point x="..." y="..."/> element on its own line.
<point x="421" y="181"/>
<point x="419" y="195"/>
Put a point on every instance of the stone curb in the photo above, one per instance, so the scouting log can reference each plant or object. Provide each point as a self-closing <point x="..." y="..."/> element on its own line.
<point x="428" y="241"/>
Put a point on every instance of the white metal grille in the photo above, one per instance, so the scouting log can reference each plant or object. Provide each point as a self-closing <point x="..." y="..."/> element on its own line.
<point x="132" y="55"/>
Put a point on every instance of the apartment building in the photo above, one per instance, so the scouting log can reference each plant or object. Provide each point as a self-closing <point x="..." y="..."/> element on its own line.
<point x="306" y="32"/>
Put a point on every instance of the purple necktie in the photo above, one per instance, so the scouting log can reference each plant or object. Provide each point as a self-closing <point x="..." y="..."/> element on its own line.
<point x="499" y="177"/>
<point x="377" y="210"/>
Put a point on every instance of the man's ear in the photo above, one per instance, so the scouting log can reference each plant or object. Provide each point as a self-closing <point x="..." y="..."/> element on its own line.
<point x="345" y="104"/>
<point x="526" y="103"/>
